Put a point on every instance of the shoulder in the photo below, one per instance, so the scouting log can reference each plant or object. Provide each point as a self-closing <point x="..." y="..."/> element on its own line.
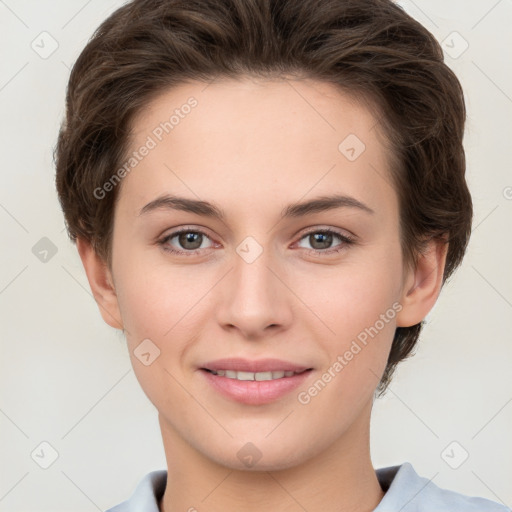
<point x="408" y="492"/>
<point x="146" y="495"/>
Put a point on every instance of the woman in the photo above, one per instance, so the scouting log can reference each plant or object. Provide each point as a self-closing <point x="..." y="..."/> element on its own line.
<point x="267" y="197"/>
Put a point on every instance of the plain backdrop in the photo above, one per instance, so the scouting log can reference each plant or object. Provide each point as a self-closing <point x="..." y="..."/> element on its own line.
<point x="66" y="378"/>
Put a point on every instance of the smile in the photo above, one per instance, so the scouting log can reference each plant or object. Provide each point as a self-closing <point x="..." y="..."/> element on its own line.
<point x="259" y="376"/>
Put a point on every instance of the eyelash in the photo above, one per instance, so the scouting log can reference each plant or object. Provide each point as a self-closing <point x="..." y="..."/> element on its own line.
<point x="347" y="241"/>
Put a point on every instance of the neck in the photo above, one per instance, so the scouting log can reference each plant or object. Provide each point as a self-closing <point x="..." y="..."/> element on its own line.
<point x="339" y="479"/>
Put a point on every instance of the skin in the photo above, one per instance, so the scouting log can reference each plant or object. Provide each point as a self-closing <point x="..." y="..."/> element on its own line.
<point x="251" y="148"/>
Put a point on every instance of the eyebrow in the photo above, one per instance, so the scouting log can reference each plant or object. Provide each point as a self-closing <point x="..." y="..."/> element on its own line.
<point x="300" y="209"/>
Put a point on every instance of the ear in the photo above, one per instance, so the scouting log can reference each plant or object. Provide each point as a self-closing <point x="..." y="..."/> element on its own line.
<point x="422" y="284"/>
<point x="101" y="283"/>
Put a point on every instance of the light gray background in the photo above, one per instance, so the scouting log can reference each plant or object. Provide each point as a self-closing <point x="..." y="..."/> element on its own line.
<point x="66" y="377"/>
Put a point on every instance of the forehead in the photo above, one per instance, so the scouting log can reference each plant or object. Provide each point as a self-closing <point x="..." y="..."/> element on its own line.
<point x="249" y="138"/>
<point x="265" y="104"/>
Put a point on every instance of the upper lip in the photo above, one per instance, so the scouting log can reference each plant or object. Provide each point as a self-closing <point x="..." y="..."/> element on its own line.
<point x="255" y="366"/>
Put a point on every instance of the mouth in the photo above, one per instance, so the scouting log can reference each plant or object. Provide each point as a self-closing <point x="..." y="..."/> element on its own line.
<point x="256" y="376"/>
<point x="254" y="381"/>
<point x="258" y="387"/>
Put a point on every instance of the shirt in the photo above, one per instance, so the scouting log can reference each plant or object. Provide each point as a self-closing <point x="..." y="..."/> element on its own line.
<point x="405" y="491"/>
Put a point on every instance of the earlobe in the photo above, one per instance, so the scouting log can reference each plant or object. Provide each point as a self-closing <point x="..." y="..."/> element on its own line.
<point x="101" y="283"/>
<point x="423" y="284"/>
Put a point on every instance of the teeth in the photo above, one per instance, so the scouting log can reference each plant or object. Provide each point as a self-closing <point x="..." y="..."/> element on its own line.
<point x="263" y="376"/>
<point x="244" y="375"/>
<point x="259" y="376"/>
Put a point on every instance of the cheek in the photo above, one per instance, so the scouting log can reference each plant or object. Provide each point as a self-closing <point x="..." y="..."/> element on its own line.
<point x="155" y="299"/>
<point x="162" y="307"/>
<point x="352" y="297"/>
<point x="357" y="306"/>
<point x="167" y="305"/>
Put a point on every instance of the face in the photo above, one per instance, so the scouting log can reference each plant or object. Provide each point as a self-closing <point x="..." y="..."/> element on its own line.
<point x="317" y="288"/>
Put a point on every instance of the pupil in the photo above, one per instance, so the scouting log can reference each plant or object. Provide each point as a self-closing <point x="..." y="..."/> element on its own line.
<point x="190" y="237"/>
<point x="325" y="240"/>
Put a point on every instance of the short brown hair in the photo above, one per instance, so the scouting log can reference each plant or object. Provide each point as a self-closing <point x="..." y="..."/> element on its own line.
<point x="370" y="48"/>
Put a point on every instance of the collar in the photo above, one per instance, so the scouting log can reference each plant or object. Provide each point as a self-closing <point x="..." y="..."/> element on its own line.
<point x="405" y="491"/>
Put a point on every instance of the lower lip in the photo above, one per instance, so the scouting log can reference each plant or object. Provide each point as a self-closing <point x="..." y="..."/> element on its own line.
<point x="253" y="392"/>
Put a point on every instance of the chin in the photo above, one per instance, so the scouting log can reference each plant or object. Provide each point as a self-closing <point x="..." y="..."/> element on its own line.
<point x="251" y="458"/>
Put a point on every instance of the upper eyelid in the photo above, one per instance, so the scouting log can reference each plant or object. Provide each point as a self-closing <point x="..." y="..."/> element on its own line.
<point x="337" y="231"/>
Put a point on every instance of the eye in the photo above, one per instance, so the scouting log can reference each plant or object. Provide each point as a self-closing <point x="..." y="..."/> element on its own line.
<point x="321" y="240"/>
<point x="189" y="241"/>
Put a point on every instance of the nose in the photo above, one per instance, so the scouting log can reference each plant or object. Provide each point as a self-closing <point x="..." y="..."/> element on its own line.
<point x="254" y="298"/>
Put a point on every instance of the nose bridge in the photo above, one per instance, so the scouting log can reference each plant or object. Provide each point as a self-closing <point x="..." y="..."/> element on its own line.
<point x="255" y="297"/>
<point x="253" y="280"/>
